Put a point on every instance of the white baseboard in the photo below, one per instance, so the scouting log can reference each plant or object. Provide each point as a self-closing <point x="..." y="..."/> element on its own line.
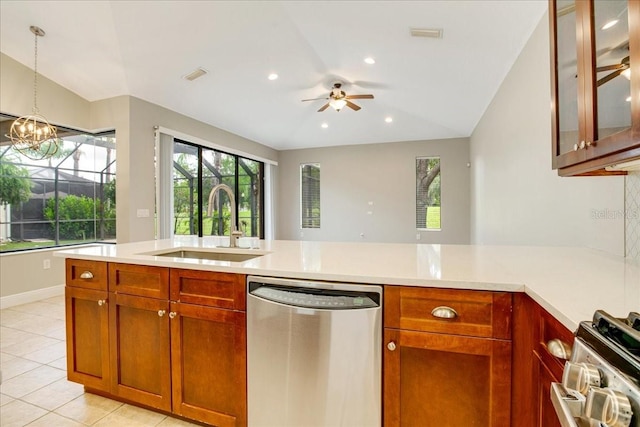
<point x="31" y="296"/>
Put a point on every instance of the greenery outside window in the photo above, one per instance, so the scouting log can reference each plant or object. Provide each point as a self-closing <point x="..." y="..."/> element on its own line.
<point x="64" y="200"/>
<point x="428" y="215"/>
<point x="310" y="195"/>
<point x="196" y="170"/>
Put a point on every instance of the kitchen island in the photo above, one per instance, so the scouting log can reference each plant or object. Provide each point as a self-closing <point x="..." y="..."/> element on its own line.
<point x="184" y="301"/>
<point x="570" y="283"/>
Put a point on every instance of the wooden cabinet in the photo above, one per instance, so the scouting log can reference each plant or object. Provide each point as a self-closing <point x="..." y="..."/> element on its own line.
<point x="140" y="350"/>
<point x="446" y="372"/>
<point x="87" y="319"/>
<point x="164" y="338"/>
<point x="534" y="367"/>
<point x="211" y="335"/>
<point x="595" y="108"/>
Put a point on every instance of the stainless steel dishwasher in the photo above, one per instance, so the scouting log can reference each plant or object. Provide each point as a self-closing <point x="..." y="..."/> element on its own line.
<point x="313" y="353"/>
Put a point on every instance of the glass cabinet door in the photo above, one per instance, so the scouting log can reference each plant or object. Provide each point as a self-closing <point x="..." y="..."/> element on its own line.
<point x="612" y="67"/>
<point x="566" y="77"/>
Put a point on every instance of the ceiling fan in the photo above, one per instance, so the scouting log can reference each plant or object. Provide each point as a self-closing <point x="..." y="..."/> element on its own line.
<point x="338" y="99"/>
<point x="621" y="68"/>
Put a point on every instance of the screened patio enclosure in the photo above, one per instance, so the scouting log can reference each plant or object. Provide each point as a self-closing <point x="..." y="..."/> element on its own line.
<point x="196" y="170"/>
<point x="67" y="199"/>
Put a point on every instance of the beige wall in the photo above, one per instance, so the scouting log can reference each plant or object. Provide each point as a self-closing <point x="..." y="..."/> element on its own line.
<point x="25" y="272"/>
<point x="59" y="105"/>
<point x="516" y="198"/>
<point x="384" y="174"/>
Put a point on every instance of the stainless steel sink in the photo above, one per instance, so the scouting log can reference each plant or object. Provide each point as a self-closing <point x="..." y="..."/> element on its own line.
<point x="231" y="255"/>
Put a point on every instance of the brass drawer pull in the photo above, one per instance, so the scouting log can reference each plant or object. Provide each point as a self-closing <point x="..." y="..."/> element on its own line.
<point x="172" y="314"/>
<point x="444" y="312"/>
<point x="161" y="312"/>
<point x="102" y="302"/>
<point x="391" y="346"/>
<point x="559" y="349"/>
<point x="86" y="275"/>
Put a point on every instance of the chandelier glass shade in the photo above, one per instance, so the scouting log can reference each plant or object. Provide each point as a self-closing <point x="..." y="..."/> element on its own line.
<point x="32" y="135"/>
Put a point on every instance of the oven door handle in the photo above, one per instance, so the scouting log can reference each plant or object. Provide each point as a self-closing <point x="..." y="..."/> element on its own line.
<point x="569" y="404"/>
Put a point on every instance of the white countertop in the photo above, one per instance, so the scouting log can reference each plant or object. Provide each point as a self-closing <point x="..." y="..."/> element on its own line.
<point x="570" y="283"/>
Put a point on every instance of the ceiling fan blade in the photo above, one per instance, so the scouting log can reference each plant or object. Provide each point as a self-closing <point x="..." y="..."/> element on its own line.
<point x="609" y="77"/>
<point x="324" y="107"/>
<point x="359" y="97"/>
<point x="353" y="106"/>
<point x="313" y="99"/>
<point x="609" y="67"/>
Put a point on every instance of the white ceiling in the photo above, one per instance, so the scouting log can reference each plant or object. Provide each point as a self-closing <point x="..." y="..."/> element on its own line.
<point x="432" y="88"/>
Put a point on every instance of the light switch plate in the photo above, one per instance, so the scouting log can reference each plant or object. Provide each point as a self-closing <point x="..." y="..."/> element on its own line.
<point x="143" y="213"/>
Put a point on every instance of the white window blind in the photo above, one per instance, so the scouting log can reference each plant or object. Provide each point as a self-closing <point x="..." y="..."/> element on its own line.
<point x="310" y="195"/>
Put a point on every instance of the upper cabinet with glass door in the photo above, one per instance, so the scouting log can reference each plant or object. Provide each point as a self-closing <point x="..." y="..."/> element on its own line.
<point x="595" y="75"/>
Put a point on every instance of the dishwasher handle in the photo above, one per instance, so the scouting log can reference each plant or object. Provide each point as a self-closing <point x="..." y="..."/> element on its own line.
<point x="315" y="298"/>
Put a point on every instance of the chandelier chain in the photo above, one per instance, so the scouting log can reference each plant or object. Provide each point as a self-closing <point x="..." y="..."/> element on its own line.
<point x="35" y="77"/>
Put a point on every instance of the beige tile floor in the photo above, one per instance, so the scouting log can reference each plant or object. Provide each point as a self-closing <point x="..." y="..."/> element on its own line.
<point x="35" y="391"/>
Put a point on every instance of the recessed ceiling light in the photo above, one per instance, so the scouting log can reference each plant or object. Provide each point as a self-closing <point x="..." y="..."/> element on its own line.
<point x="197" y="73"/>
<point x="324" y="125"/>
<point x="609" y="24"/>
<point x="369" y="60"/>
<point x="629" y="99"/>
<point x="273" y="76"/>
<point x="388" y="119"/>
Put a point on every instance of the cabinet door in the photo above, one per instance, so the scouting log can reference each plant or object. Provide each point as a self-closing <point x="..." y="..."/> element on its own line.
<point x="87" y="318"/>
<point x="595" y="83"/>
<point x="546" y="414"/>
<point x="139" y="338"/>
<point x="446" y="380"/>
<point x="208" y="352"/>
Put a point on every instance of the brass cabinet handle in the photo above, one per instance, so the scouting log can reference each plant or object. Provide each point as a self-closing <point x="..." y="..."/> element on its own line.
<point x="444" y="312"/>
<point x="161" y="312"/>
<point x="102" y="302"/>
<point x="86" y="275"/>
<point x="172" y="314"/>
<point x="559" y="349"/>
<point x="391" y="346"/>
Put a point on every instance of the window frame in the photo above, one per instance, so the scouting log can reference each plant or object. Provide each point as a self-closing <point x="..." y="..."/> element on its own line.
<point x="56" y="169"/>
<point x="438" y="176"/>
<point x="308" y="222"/>
<point x="201" y="199"/>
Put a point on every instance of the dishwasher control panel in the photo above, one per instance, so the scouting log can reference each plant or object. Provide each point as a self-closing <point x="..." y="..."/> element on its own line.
<point x="315" y="298"/>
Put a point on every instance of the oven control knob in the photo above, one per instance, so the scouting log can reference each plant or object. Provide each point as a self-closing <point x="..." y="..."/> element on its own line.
<point x="580" y="376"/>
<point x="609" y="406"/>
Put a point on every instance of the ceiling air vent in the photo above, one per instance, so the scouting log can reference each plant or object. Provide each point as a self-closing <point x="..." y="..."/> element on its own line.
<point x="433" y="33"/>
<point x="199" y="72"/>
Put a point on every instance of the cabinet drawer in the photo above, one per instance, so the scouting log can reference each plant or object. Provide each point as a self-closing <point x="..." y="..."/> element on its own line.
<point x="224" y="290"/>
<point x="141" y="280"/>
<point x="86" y="274"/>
<point x="552" y="329"/>
<point x="479" y="313"/>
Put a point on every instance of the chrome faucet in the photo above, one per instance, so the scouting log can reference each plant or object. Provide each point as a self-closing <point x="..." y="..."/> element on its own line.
<point x="234" y="233"/>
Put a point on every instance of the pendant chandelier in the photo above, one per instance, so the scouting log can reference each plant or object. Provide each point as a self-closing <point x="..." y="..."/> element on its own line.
<point x="32" y="135"/>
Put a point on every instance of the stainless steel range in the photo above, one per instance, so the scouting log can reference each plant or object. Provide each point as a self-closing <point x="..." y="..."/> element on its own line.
<point x="601" y="382"/>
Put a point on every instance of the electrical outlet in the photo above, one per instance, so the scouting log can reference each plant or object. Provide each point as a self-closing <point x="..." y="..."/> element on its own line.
<point x="46" y="264"/>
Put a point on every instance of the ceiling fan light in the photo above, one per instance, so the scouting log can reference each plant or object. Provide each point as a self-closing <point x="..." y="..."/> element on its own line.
<point x="627" y="73"/>
<point x="337" y="104"/>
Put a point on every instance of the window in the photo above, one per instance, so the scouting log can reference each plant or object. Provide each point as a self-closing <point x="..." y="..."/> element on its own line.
<point x="196" y="170"/>
<point x="310" y="195"/>
<point x="428" y="193"/>
<point x="67" y="199"/>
